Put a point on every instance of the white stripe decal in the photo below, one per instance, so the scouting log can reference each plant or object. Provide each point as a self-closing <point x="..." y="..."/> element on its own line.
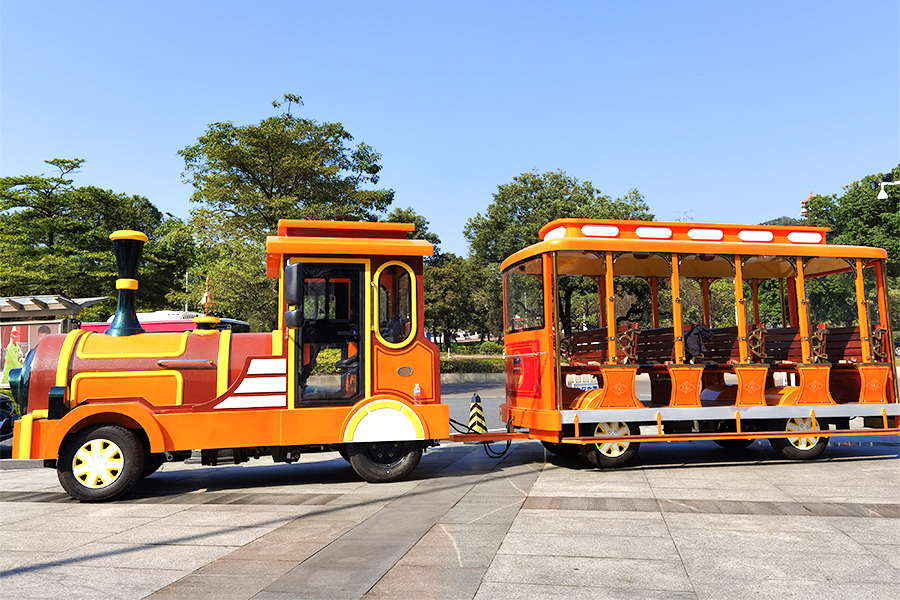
<point x="254" y="402"/>
<point x="268" y="366"/>
<point x="262" y="385"/>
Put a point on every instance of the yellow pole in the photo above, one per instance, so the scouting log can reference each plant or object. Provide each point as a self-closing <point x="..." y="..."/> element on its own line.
<point x="802" y="315"/>
<point x="610" y="311"/>
<point x="676" y="313"/>
<point x="862" y="315"/>
<point x="740" y="312"/>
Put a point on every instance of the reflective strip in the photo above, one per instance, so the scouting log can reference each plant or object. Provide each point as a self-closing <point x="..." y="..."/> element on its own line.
<point x="222" y="365"/>
<point x="65" y="355"/>
<point x="728" y="412"/>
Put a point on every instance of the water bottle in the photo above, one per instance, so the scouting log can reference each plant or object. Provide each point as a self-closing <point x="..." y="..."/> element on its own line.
<point x="417" y="394"/>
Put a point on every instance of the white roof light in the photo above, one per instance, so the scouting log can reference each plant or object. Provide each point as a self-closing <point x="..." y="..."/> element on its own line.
<point x="705" y="234"/>
<point x="600" y="230"/>
<point x="805" y="237"/>
<point x="654" y="233"/>
<point x="756" y="235"/>
<point x="555" y="233"/>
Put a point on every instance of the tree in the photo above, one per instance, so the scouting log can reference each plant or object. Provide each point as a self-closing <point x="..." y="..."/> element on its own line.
<point x="248" y="177"/>
<point x="447" y="296"/>
<point x="857" y="217"/>
<point x="421" y="232"/>
<point x="54" y="238"/>
<point x="520" y="208"/>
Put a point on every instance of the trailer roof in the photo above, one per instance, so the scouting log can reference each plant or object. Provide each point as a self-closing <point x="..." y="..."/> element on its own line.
<point x="687" y="238"/>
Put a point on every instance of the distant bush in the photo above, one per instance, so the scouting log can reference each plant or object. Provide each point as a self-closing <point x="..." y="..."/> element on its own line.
<point x="485" y="365"/>
<point x="325" y="361"/>
<point x="489" y="347"/>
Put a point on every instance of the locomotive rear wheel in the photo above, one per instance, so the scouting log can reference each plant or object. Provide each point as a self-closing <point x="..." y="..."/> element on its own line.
<point x="100" y="463"/>
<point x="610" y="455"/>
<point x="802" y="447"/>
<point x="382" y="462"/>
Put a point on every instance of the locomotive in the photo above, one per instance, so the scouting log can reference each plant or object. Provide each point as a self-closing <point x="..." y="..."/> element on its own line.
<point x="106" y="409"/>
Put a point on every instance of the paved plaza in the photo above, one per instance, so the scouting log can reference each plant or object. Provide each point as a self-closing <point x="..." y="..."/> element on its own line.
<point x="688" y="520"/>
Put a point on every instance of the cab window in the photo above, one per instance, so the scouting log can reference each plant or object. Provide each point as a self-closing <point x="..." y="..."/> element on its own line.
<point x="395" y="304"/>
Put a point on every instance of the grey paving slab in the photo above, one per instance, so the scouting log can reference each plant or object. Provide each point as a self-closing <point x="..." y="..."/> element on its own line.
<point x="87" y="582"/>
<point x="615" y="573"/>
<point x="530" y="591"/>
<point x="199" y="586"/>
<point x="610" y="545"/>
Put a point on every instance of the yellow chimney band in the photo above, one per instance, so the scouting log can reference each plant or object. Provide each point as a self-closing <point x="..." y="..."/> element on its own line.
<point x="128" y="234"/>
<point x="126" y="284"/>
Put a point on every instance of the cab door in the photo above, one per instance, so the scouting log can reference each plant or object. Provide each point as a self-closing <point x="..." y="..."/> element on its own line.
<point x="330" y="354"/>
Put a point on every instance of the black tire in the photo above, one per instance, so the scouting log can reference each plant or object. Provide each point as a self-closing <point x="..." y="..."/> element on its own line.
<point x="802" y="447"/>
<point x="562" y="449"/>
<point x="152" y="463"/>
<point x="121" y="461"/>
<point x="382" y="462"/>
<point x="733" y="445"/>
<point x="610" y="455"/>
<point x="342" y="450"/>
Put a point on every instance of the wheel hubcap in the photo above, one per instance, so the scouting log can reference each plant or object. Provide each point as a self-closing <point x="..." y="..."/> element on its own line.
<point x="804" y="442"/>
<point x="98" y="463"/>
<point x="616" y="448"/>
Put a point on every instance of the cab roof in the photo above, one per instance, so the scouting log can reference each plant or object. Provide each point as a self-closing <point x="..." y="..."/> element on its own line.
<point x="341" y="238"/>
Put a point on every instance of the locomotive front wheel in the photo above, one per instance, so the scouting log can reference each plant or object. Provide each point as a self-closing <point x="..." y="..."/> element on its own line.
<point x="802" y="447"/>
<point x="100" y="463"/>
<point x="381" y="462"/>
<point x="609" y="455"/>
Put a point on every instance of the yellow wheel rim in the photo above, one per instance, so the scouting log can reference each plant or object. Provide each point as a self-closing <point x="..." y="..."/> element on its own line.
<point x="617" y="448"/>
<point x="803" y="442"/>
<point x="98" y="463"/>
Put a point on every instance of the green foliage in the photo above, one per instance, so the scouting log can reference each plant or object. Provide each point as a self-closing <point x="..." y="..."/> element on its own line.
<point x="462" y="365"/>
<point x="858" y="218"/>
<point x="54" y="239"/>
<point x="520" y="208"/>
<point x="448" y="304"/>
<point x="512" y="221"/>
<point x="421" y="232"/>
<point x="248" y="177"/>
<point x="489" y="347"/>
<point x="326" y="360"/>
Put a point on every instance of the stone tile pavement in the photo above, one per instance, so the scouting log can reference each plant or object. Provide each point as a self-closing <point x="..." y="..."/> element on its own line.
<point x="689" y="520"/>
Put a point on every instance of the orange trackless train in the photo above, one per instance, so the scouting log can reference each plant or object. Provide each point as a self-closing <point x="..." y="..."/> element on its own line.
<point x="106" y="409"/>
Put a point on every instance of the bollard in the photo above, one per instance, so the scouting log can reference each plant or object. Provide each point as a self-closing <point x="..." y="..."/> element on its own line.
<point x="476" y="416"/>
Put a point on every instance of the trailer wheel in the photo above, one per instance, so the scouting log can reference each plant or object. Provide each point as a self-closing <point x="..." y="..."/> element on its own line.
<point x="802" y="447"/>
<point x="735" y="444"/>
<point x="560" y="449"/>
<point x="100" y="463"/>
<point x="609" y="455"/>
<point x="381" y="462"/>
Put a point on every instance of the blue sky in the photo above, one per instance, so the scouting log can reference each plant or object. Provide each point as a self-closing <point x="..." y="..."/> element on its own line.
<point x="732" y="111"/>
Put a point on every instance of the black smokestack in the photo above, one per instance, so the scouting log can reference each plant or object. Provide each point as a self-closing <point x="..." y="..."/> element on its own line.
<point x="128" y="245"/>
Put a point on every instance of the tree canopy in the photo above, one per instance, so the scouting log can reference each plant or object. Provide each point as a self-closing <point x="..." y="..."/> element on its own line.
<point x="247" y="177"/>
<point x="857" y="217"/>
<point x="54" y="239"/>
<point x="512" y="221"/>
<point x="520" y="208"/>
